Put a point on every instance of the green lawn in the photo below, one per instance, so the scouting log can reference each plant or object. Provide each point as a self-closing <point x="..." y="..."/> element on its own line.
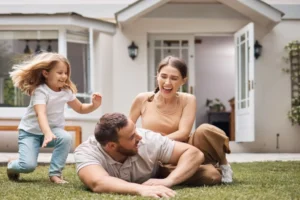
<point x="264" y="180"/>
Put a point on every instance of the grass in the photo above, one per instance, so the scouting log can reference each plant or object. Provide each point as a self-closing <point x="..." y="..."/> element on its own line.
<point x="259" y="180"/>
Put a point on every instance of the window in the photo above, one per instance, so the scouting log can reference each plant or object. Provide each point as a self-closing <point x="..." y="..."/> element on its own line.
<point x="14" y="45"/>
<point x="78" y="55"/>
<point x="164" y="48"/>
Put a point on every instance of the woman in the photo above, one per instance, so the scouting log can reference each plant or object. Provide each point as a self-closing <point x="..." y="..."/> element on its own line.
<point x="172" y="114"/>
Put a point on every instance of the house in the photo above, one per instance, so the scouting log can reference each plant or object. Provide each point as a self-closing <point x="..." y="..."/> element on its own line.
<point x="215" y="37"/>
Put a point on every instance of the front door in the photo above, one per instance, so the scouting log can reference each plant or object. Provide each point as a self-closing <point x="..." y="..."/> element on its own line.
<point x="181" y="46"/>
<point x="244" y="87"/>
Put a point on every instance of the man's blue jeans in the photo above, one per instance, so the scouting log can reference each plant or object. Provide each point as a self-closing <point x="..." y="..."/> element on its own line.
<point x="29" y="146"/>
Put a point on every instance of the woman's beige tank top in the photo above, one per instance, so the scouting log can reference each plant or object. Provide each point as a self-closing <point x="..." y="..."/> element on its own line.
<point x="164" y="122"/>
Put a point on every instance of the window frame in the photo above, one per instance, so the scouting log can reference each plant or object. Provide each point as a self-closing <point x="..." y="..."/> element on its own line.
<point x="89" y="64"/>
<point x="70" y="114"/>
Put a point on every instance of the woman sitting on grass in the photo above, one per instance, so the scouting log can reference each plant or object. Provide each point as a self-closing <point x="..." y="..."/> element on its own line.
<point x="46" y="78"/>
<point x="172" y="114"/>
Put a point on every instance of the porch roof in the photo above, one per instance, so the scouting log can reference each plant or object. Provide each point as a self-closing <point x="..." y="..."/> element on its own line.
<point x="258" y="11"/>
<point x="56" y="19"/>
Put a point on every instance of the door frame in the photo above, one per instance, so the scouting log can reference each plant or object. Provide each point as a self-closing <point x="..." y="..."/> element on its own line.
<point x="191" y="52"/>
<point x="232" y="115"/>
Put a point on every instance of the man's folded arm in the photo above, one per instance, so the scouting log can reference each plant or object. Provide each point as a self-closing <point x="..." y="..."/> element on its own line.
<point x="98" y="180"/>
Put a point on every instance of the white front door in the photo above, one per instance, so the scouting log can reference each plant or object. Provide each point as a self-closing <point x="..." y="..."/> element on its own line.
<point x="181" y="46"/>
<point x="244" y="87"/>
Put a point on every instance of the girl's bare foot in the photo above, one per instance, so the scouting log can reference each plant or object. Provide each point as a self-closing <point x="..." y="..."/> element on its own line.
<point x="13" y="176"/>
<point x="57" y="180"/>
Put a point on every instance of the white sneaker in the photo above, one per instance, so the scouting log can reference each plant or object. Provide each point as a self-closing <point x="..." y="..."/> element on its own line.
<point x="227" y="173"/>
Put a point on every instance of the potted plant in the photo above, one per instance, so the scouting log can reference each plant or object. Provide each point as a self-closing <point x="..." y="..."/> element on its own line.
<point x="215" y="105"/>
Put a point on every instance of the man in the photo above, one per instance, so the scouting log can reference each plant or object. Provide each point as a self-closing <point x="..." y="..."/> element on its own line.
<point x="123" y="159"/>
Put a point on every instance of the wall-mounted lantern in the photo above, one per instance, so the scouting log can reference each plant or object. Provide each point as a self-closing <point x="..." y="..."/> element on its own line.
<point x="257" y="49"/>
<point x="133" y="50"/>
<point x="27" y="49"/>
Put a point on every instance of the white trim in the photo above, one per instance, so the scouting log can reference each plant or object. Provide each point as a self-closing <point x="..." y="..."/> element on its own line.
<point x="138" y="9"/>
<point x="263" y="9"/>
<point x="77" y="41"/>
<point x="91" y="49"/>
<point x="256" y="10"/>
<point x="62" y="41"/>
<point x="290" y="11"/>
<point x="16" y="113"/>
<point x="85" y="95"/>
<point x="57" y="20"/>
<point x="213" y="34"/>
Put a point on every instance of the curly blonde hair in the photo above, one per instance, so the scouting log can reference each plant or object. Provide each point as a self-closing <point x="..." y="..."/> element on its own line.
<point x="27" y="75"/>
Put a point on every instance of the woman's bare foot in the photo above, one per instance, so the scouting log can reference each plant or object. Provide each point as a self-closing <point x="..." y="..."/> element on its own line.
<point x="57" y="180"/>
<point x="13" y="176"/>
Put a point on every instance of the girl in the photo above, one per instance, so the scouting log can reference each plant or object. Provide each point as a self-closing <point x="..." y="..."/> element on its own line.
<point x="172" y="114"/>
<point x="46" y="78"/>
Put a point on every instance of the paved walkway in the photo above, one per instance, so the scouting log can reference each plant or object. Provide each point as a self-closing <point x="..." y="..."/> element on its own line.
<point x="234" y="157"/>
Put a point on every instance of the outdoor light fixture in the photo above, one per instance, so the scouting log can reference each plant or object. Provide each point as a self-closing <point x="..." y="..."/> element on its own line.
<point x="49" y="48"/>
<point x="38" y="48"/>
<point x="27" y="49"/>
<point x="257" y="49"/>
<point x="133" y="50"/>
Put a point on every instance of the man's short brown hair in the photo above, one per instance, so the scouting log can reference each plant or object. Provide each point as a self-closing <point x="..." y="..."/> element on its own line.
<point x="108" y="126"/>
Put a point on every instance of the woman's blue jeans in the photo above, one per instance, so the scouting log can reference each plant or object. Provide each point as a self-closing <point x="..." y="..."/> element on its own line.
<point x="29" y="147"/>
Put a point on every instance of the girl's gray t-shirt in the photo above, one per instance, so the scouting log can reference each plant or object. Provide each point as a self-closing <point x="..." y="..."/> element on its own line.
<point x="55" y="104"/>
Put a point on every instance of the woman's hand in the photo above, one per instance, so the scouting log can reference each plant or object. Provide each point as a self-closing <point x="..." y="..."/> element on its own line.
<point x="96" y="100"/>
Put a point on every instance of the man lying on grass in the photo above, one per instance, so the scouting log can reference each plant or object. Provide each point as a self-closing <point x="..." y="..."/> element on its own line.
<point x="123" y="159"/>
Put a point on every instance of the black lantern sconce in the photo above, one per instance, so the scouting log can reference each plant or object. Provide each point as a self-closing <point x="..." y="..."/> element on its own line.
<point x="49" y="48"/>
<point x="27" y="49"/>
<point x="133" y="51"/>
<point x="38" y="47"/>
<point x="257" y="49"/>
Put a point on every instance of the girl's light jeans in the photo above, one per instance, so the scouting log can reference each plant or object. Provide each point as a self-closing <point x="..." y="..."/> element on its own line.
<point x="29" y="146"/>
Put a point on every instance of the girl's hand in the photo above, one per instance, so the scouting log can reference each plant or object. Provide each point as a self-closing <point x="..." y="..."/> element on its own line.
<point x="96" y="100"/>
<point x="48" y="138"/>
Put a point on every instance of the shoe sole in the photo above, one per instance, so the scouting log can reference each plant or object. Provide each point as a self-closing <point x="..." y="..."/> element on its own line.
<point x="13" y="176"/>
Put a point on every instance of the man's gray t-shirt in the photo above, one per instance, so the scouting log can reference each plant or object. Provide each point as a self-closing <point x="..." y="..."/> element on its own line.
<point x="152" y="148"/>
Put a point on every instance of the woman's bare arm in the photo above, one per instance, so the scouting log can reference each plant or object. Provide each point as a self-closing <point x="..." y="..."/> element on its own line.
<point x="136" y="107"/>
<point x="186" y="122"/>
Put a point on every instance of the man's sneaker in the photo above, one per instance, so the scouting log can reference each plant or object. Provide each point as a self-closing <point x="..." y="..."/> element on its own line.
<point x="227" y="173"/>
<point x="13" y="176"/>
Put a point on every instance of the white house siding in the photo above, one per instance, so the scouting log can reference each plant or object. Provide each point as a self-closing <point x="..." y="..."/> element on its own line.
<point x="272" y="86"/>
<point x="273" y="95"/>
<point x="131" y="77"/>
<point x="103" y="70"/>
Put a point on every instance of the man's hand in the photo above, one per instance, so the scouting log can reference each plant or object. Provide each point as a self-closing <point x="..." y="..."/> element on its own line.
<point x="96" y="100"/>
<point x="156" y="191"/>
<point x="48" y="138"/>
<point x="164" y="182"/>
